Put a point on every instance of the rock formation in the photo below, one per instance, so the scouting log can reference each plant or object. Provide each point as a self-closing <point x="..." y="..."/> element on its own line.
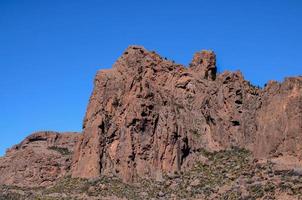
<point x="148" y="116"/>
<point x="38" y="160"/>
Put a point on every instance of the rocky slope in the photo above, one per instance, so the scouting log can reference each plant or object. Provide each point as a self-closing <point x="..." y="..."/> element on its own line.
<point x="223" y="175"/>
<point x="152" y="121"/>
<point x="38" y="160"/>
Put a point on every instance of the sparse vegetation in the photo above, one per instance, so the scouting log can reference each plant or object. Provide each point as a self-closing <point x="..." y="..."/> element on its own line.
<point x="226" y="175"/>
<point x="61" y="150"/>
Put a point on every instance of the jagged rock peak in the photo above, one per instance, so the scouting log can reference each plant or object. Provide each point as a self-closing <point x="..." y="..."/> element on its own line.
<point x="204" y="62"/>
<point x="138" y="60"/>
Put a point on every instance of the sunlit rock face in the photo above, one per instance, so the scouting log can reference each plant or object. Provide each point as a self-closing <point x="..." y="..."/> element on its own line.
<point x="39" y="160"/>
<point x="148" y="116"/>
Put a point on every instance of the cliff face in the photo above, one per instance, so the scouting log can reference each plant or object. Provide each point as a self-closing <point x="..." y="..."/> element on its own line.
<point x="280" y="119"/>
<point x="149" y="116"/>
<point x="38" y="160"/>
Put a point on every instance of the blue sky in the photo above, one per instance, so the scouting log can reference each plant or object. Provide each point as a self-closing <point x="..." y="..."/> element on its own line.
<point x="50" y="50"/>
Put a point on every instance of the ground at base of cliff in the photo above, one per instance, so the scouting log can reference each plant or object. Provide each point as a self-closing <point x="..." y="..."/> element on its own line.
<point x="229" y="174"/>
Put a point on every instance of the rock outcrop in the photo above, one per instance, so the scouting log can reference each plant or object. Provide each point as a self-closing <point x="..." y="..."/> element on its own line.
<point x="279" y="120"/>
<point x="148" y="116"/>
<point x="39" y="160"/>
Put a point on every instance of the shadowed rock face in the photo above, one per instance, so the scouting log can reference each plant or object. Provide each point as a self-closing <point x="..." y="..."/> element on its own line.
<point x="38" y="160"/>
<point x="149" y="116"/>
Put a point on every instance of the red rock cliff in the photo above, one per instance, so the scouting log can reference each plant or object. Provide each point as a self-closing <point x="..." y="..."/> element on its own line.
<point x="149" y="116"/>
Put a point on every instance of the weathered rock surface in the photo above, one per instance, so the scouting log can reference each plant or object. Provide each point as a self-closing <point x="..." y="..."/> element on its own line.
<point x="149" y="116"/>
<point x="39" y="160"/>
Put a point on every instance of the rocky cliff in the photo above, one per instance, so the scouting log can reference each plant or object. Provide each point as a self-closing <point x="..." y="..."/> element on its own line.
<point x="149" y="117"/>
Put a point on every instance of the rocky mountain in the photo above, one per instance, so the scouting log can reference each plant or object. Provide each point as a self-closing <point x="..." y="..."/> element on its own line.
<point x="151" y="119"/>
<point x="148" y="116"/>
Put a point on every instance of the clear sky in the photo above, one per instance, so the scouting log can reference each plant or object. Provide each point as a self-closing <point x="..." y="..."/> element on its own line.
<point x="50" y="50"/>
